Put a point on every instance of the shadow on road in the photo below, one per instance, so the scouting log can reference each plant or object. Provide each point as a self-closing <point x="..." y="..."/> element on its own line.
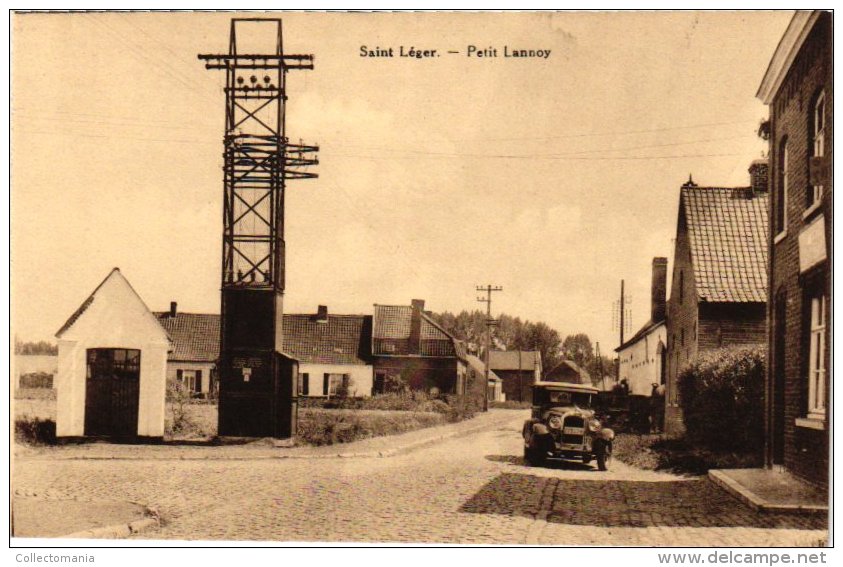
<point x="551" y="464"/>
<point x="619" y="503"/>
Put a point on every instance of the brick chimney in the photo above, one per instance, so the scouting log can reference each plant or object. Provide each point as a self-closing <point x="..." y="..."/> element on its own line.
<point x="322" y="314"/>
<point x="658" y="308"/>
<point x="758" y="176"/>
<point x="173" y="308"/>
<point x="414" y="346"/>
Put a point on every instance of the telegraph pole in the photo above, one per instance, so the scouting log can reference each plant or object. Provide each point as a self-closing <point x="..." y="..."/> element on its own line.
<point x="621" y="312"/>
<point x="600" y="366"/>
<point x="489" y="323"/>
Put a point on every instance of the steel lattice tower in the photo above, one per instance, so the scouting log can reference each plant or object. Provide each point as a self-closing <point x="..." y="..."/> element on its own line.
<point x="257" y="381"/>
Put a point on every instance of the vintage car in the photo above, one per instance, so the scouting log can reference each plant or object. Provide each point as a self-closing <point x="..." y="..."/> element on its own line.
<point x="563" y="426"/>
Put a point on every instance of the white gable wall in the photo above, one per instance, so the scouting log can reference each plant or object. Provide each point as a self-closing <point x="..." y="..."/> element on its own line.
<point x="640" y="363"/>
<point x="117" y="318"/>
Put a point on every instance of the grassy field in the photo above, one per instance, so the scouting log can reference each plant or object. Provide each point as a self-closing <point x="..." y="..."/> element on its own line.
<point x="317" y="426"/>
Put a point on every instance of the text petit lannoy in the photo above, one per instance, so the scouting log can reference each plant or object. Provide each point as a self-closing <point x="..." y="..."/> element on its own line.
<point x="470" y="51"/>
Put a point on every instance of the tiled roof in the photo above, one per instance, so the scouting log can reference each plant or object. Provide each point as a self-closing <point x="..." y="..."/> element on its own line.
<point x="510" y="360"/>
<point x="195" y="336"/>
<point x="342" y="339"/>
<point x="727" y="230"/>
<point x="391" y="334"/>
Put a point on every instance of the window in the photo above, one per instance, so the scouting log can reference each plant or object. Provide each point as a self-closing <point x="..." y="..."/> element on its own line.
<point x="818" y="150"/>
<point x="190" y="379"/>
<point x="336" y="385"/>
<point x="683" y="337"/>
<point x="681" y="285"/>
<point x="116" y="362"/>
<point x="816" y="362"/>
<point x="304" y="384"/>
<point x="781" y="190"/>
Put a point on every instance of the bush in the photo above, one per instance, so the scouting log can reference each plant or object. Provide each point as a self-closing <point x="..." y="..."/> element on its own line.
<point x="330" y="427"/>
<point x="178" y="400"/>
<point x="36" y="380"/>
<point x="35" y="431"/>
<point x="722" y="398"/>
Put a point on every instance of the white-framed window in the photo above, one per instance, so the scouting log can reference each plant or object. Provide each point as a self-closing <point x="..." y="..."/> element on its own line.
<point x="816" y="191"/>
<point x="816" y="362"/>
<point x="337" y="384"/>
<point x="190" y="379"/>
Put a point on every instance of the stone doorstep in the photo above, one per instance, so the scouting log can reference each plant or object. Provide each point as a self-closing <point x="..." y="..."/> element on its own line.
<point x="722" y="479"/>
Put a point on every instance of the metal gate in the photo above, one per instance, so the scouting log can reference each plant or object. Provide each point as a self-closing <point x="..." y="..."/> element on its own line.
<point x="112" y="392"/>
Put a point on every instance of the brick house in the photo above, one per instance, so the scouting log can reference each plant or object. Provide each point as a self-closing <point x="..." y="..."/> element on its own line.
<point x="196" y="343"/>
<point x="798" y="87"/>
<point x="408" y="345"/>
<point x="333" y="353"/>
<point x="642" y="358"/>
<point x="518" y="370"/>
<point x="332" y="350"/>
<point x="719" y="287"/>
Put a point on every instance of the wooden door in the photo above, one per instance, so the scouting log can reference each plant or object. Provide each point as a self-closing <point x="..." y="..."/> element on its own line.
<point x="112" y="392"/>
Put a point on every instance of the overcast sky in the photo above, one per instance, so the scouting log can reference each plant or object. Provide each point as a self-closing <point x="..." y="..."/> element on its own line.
<point x="554" y="178"/>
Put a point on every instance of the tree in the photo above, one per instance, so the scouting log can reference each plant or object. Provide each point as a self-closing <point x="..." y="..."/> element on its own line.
<point x="41" y="347"/>
<point x="579" y="349"/>
<point x="511" y="333"/>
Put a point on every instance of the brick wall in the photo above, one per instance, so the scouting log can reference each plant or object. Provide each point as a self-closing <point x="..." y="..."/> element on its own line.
<point x="682" y="317"/>
<point x="805" y="449"/>
<point x="732" y="324"/>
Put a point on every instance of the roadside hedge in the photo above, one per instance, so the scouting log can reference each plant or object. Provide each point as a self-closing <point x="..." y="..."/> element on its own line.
<point x="722" y="398"/>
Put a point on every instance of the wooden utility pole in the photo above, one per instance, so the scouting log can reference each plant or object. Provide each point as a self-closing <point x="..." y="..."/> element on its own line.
<point x="489" y="323"/>
<point x="621" y="312"/>
<point x="600" y="366"/>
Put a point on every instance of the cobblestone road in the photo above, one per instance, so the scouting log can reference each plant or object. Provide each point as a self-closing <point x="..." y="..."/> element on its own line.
<point x="473" y="489"/>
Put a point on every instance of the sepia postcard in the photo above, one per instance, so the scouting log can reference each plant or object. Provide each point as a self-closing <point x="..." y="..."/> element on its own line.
<point x="421" y="278"/>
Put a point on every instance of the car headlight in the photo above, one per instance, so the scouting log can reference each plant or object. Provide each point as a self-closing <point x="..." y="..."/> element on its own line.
<point x="555" y="422"/>
<point x="594" y="425"/>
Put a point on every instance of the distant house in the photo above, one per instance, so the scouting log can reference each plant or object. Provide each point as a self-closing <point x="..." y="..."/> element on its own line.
<point x="518" y="370"/>
<point x="411" y="348"/>
<point x="196" y="344"/>
<point x="477" y="371"/>
<point x="568" y="371"/>
<point x="112" y="366"/>
<point x="799" y="89"/>
<point x="719" y="288"/>
<point x="333" y="353"/>
<point x="642" y="358"/>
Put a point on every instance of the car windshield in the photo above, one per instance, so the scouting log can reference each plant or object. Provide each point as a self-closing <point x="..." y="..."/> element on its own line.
<point x="581" y="399"/>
